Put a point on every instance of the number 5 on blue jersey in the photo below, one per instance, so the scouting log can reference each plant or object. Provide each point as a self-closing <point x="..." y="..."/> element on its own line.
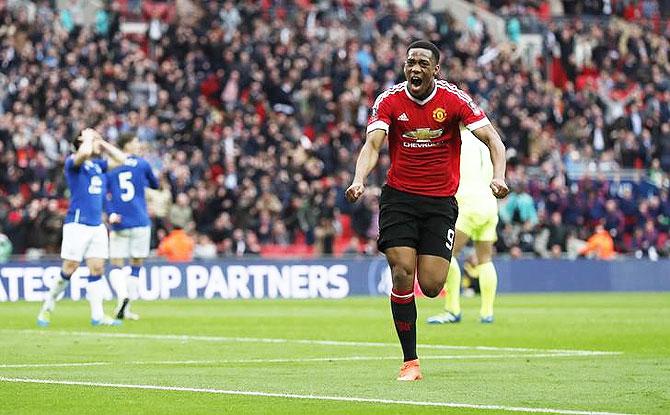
<point x="125" y="185"/>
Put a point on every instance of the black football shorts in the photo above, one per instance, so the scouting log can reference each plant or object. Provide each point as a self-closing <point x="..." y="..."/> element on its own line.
<point x="425" y="223"/>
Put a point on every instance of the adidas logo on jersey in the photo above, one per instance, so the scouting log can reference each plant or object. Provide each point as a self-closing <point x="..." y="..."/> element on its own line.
<point x="403" y="117"/>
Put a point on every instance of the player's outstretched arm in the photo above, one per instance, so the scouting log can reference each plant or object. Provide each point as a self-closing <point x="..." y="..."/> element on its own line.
<point x="367" y="160"/>
<point x="489" y="136"/>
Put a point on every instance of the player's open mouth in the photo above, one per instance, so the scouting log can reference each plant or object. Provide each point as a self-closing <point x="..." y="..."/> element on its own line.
<point x="416" y="80"/>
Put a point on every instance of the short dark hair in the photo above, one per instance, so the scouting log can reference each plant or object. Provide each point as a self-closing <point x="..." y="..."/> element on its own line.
<point x="124" y="139"/>
<point x="424" y="44"/>
<point x="74" y="140"/>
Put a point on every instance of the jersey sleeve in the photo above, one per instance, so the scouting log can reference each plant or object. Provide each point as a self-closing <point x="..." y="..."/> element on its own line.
<point x="69" y="164"/>
<point x="471" y="116"/>
<point x="380" y="117"/>
<point x="151" y="178"/>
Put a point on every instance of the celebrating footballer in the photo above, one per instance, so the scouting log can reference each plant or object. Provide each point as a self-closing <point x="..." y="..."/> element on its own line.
<point x="421" y="118"/>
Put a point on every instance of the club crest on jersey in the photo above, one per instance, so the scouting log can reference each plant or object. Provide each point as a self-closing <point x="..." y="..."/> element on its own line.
<point x="423" y="134"/>
<point x="439" y="114"/>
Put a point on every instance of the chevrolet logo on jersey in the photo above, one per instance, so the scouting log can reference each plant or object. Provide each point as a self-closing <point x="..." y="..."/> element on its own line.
<point x="423" y="134"/>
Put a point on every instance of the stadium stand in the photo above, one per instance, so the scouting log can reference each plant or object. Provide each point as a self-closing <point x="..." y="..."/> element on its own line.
<point x="254" y="111"/>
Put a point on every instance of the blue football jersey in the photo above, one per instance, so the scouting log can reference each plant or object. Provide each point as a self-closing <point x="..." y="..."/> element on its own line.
<point x="125" y="185"/>
<point x="87" y="183"/>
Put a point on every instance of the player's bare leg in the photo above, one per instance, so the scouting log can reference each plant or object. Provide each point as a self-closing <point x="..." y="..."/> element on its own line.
<point x="488" y="279"/>
<point x="402" y="261"/>
<point x="452" y="301"/>
<point x="67" y="269"/>
<point x="432" y="273"/>
<point x="95" y="293"/>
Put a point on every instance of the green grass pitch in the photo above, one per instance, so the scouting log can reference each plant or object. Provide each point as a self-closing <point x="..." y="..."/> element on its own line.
<point x="549" y="353"/>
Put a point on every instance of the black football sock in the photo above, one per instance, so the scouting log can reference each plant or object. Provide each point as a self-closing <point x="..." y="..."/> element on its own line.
<point x="403" y="308"/>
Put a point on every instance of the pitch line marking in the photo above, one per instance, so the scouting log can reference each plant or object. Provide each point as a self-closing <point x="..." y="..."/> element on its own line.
<point x="185" y="337"/>
<point x="342" y="359"/>
<point x="280" y="360"/>
<point x="307" y="397"/>
<point x="34" y="365"/>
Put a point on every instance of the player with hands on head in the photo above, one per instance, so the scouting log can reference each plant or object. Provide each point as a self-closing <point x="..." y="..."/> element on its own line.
<point x="130" y="235"/>
<point x="84" y="233"/>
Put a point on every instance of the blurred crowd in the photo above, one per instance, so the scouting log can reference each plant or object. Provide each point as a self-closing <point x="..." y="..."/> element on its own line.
<point x="252" y="113"/>
<point x="652" y="14"/>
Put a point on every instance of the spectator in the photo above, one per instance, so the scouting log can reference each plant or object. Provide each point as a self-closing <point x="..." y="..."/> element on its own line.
<point x="646" y="240"/>
<point x="362" y="216"/>
<point x="614" y="220"/>
<point x="600" y="245"/>
<point x="514" y="29"/>
<point x="159" y="202"/>
<point x="244" y="244"/>
<point x="558" y="233"/>
<point x="279" y="234"/>
<point x="507" y="237"/>
<point x="221" y="230"/>
<point x="177" y="246"/>
<point x="102" y="22"/>
<point x="664" y="146"/>
<point x="253" y="246"/>
<point x="204" y="248"/>
<point x="5" y="248"/>
<point x="527" y="238"/>
<point x="325" y="236"/>
<point x="574" y="245"/>
<point x="181" y="213"/>
<point x="47" y="226"/>
<point x="353" y="247"/>
<point x="519" y="206"/>
<point x="552" y="241"/>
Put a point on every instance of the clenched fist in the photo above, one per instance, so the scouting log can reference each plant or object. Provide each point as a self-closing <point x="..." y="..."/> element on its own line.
<point x="499" y="188"/>
<point x="354" y="192"/>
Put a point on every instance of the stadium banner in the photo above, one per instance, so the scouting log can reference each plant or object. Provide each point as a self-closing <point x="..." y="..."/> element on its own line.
<point x="327" y="278"/>
<point x="227" y="279"/>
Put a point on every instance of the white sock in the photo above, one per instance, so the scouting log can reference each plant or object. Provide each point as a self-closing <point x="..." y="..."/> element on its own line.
<point x="94" y="294"/>
<point x="117" y="277"/>
<point x="133" y="284"/>
<point x="56" y="290"/>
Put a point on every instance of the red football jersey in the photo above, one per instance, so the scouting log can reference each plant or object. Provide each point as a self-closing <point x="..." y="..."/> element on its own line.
<point x="424" y="136"/>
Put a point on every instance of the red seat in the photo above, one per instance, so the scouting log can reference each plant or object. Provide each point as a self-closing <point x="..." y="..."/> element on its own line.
<point x="347" y="231"/>
<point x="294" y="250"/>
